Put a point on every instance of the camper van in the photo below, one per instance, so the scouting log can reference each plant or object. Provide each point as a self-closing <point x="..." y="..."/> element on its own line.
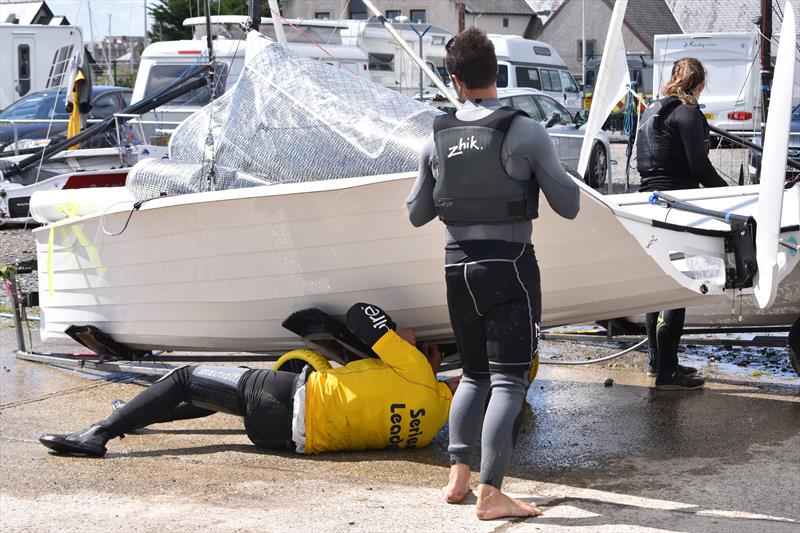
<point x="34" y="57"/>
<point x="537" y="65"/>
<point x="389" y="65"/>
<point x="163" y="62"/>
<point x="640" y="69"/>
<point x="732" y="93"/>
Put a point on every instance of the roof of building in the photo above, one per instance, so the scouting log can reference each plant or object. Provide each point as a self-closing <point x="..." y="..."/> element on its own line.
<point x="645" y="18"/>
<point x="721" y="15"/>
<point x="498" y="7"/>
<point x="544" y="9"/>
<point x="24" y="12"/>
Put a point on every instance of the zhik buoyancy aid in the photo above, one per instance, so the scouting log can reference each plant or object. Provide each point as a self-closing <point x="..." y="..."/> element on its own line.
<point x="659" y="150"/>
<point x="472" y="186"/>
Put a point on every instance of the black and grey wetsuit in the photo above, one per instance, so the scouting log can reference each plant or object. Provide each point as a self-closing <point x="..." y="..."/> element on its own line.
<point x="493" y="285"/>
<point x="264" y="398"/>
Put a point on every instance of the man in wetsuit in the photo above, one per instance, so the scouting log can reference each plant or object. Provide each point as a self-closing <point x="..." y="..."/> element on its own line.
<point x="391" y="402"/>
<point x="672" y="153"/>
<point x="481" y="174"/>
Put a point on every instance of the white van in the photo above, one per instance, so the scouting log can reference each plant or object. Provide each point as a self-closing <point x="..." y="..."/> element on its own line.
<point x="731" y="99"/>
<point x="537" y="65"/>
<point x="34" y="57"/>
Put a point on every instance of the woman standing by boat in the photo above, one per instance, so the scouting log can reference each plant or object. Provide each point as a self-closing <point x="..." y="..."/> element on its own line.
<point x="672" y="153"/>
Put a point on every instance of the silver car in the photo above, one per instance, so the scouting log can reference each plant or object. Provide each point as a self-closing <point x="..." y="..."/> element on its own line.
<point x="566" y="133"/>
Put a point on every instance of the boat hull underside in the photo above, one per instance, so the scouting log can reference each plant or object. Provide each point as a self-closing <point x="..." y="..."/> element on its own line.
<point x="200" y="273"/>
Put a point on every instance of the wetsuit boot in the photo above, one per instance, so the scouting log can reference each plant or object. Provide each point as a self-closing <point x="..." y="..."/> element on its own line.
<point x="90" y="442"/>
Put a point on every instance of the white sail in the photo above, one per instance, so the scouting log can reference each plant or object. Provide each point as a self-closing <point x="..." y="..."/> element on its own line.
<point x="773" y="165"/>
<point x="612" y="81"/>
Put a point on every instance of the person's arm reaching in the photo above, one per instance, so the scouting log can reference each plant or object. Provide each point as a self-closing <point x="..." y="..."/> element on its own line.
<point x="689" y="123"/>
<point x="528" y="148"/>
<point x="421" y="209"/>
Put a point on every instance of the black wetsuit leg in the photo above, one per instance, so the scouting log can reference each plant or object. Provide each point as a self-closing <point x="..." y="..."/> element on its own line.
<point x="668" y="335"/>
<point x="212" y="389"/>
<point x="650" y="324"/>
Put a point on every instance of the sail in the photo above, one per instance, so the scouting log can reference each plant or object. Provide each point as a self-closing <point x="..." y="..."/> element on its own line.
<point x="289" y="119"/>
<point x="612" y="81"/>
<point x="773" y="166"/>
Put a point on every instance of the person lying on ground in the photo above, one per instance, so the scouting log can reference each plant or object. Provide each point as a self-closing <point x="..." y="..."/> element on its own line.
<point x="391" y="402"/>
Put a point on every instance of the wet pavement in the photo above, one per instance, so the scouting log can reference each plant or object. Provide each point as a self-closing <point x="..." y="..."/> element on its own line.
<point x="596" y="458"/>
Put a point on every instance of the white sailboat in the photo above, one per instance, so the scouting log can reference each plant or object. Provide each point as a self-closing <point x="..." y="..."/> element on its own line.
<point x="219" y="270"/>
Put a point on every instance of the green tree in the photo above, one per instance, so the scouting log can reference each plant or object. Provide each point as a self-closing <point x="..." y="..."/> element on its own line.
<point x="168" y="15"/>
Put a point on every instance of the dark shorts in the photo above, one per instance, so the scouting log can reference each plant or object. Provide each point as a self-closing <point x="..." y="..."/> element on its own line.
<point x="494" y="298"/>
<point x="267" y="401"/>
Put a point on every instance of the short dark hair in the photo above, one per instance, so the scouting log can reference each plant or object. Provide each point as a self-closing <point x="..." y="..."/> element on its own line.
<point x="471" y="57"/>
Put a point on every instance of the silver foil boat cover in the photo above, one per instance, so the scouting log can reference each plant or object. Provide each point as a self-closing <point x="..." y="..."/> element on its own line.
<point x="289" y="119"/>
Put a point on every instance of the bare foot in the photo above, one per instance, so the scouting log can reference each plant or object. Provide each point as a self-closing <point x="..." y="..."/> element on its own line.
<point x="458" y="484"/>
<point x="493" y="504"/>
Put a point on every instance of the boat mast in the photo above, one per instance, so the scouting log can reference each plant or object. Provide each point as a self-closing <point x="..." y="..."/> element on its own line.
<point x="418" y="60"/>
<point x="254" y="13"/>
<point x="275" y="13"/>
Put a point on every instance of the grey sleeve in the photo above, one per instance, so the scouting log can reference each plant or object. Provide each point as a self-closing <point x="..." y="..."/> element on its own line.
<point x="420" y="201"/>
<point x="528" y="150"/>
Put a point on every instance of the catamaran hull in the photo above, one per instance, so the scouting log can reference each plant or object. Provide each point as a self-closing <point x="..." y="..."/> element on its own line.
<point x="220" y="271"/>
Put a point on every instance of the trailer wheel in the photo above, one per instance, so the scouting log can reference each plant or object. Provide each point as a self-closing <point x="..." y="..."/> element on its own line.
<point x="794" y="346"/>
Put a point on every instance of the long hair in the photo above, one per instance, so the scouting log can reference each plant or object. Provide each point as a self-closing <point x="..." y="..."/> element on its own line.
<point x="687" y="73"/>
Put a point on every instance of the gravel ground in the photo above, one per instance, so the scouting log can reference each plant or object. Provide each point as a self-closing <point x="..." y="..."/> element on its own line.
<point x="727" y="161"/>
<point x="17" y="245"/>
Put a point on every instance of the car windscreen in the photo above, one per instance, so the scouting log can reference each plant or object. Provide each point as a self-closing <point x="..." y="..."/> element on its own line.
<point x="163" y="75"/>
<point x="550" y="106"/>
<point x="38" y="107"/>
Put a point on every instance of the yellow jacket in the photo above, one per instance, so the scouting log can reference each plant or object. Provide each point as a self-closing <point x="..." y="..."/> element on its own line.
<point x="394" y="401"/>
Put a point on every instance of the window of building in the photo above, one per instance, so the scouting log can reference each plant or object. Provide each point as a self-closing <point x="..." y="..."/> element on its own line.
<point x="590" y="44"/>
<point x="322" y="15"/>
<point x="505" y="22"/>
<point x="391" y="14"/>
<point x="358" y="11"/>
<point x="418" y="16"/>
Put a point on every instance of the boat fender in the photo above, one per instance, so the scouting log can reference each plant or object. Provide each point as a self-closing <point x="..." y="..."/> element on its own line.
<point x="534" y="367"/>
<point x="289" y="361"/>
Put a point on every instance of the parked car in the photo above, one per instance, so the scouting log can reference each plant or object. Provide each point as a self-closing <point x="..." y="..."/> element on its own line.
<point x="794" y="145"/>
<point x="48" y="109"/>
<point x="565" y="131"/>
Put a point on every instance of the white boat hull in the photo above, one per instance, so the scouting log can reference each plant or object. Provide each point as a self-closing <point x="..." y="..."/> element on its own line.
<point x="220" y="271"/>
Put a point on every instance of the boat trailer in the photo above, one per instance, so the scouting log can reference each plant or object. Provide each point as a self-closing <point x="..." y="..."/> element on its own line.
<point x="109" y="356"/>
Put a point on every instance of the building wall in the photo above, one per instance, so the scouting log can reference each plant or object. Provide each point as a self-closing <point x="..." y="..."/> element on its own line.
<point x="438" y="12"/>
<point x="563" y="32"/>
<point x="494" y="23"/>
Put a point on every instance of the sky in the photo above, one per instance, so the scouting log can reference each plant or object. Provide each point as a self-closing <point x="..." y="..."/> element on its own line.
<point x="127" y="16"/>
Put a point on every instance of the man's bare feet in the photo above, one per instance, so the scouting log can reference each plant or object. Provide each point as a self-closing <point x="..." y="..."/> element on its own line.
<point x="458" y="484"/>
<point x="493" y="504"/>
